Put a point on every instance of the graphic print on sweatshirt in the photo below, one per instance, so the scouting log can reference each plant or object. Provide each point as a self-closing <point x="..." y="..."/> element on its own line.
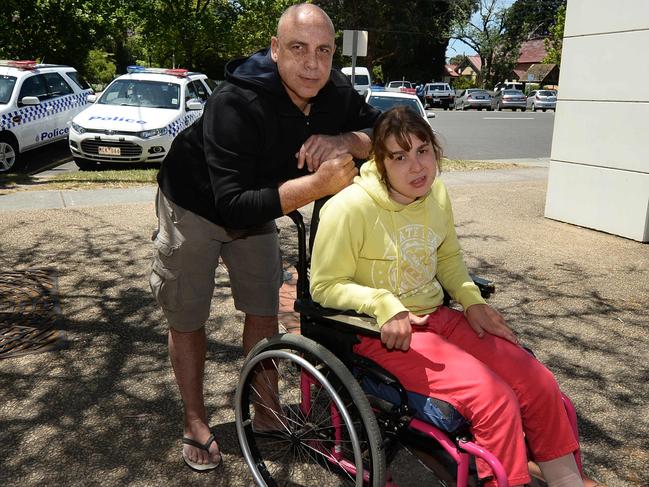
<point x="417" y="260"/>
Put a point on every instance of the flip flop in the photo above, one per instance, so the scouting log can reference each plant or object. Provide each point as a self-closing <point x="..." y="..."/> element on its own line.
<point x="201" y="467"/>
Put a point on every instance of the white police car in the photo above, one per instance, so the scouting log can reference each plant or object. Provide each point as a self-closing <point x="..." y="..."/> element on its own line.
<point x="138" y="115"/>
<point x="37" y="101"/>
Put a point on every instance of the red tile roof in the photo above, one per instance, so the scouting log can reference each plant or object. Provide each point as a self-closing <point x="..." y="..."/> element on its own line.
<point x="451" y="70"/>
<point x="475" y="61"/>
<point x="532" y="51"/>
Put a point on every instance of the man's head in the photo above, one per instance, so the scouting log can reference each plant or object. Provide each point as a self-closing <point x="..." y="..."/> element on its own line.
<point x="303" y="50"/>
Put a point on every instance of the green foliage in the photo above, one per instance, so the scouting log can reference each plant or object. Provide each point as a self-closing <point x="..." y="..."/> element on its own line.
<point x="99" y="68"/>
<point x="377" y="74"/>
<point x="554" y="43"/>
<point x="464" y="82"/>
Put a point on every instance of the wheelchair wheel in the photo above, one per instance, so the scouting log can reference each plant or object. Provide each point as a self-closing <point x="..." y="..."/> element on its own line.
<point x="326" y="435"/>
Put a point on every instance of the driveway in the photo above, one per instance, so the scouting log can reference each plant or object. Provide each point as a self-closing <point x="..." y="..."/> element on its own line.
<point x="106" y="411"/>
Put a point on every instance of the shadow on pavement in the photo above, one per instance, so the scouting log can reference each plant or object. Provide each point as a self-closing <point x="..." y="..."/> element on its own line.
<point x="106" y="411"/>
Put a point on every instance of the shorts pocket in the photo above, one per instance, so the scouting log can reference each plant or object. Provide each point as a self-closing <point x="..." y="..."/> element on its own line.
<point x="165" y="277"/>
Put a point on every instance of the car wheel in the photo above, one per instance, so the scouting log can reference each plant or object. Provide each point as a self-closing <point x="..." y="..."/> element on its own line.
<point x="523" y="109"/>
<point x="543" y="109"/>
<point x="9" y="156"/>
<point x="85" y="164"/>
<point x="514" y="109"/>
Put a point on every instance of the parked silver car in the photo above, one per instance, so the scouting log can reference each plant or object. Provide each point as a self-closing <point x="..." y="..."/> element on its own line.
<point x="542" y="100"/>
<point x="473" y="98"/>
<point x="513" y="99"/>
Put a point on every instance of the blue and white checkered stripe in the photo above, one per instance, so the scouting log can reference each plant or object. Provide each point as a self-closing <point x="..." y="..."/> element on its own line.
<point x="179" y="124"/>
<point x="31" y="113"/>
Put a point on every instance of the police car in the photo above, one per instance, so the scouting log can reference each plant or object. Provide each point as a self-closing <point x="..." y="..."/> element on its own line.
<point x="37" y="102"/>
<point x="138" y="115"/>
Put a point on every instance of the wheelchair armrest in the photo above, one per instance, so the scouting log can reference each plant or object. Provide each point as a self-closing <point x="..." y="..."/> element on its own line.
<point x="487" y="287"/>
<point x="353" y="322"/>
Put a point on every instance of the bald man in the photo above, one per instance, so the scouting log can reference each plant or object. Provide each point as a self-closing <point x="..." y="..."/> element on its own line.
<point x="280" y="132"/>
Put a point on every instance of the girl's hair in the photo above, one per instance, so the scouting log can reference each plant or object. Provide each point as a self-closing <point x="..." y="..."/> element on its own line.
<point x="401" y="122"/>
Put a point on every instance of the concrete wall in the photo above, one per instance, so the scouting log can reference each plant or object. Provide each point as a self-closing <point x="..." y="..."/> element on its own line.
<point x="599" y="168"/>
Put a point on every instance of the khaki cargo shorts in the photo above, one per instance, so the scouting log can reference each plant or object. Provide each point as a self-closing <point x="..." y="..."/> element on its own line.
<point x="187" y="251"/>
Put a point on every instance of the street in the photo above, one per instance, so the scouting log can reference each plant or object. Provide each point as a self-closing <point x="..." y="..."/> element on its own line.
<point x="470" y="135"/>
<point x="483" y="135"/>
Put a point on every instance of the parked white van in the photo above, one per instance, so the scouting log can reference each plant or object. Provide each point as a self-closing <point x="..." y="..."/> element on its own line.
<point x="362" y="79"/>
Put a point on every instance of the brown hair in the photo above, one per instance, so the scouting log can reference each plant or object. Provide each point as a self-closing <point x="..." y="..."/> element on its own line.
<point x="400" y="122"/>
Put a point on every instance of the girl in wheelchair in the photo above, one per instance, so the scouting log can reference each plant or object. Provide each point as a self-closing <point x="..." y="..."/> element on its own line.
<point x="386" y="246"/>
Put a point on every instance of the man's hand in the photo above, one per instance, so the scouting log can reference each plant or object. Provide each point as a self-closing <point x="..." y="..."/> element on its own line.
<point x="483" y="318"/>
<point x="336" y="174"/>
<point x="396" y="332"/>
<point x="319" y="148"/>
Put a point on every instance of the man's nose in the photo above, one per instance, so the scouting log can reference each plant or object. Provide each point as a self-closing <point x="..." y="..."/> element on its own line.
<point x="311" y="60"/>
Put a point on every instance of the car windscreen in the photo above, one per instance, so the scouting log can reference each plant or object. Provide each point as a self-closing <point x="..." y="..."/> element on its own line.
<point x="437" y="87"/>
<point x="512" y="92"/>
<point x="142" y="93"/>
<point x="359" y="79"/>
<point x="7" y="84"/>
<point x="80" y="82"/>
<point x="545" y="93"/>
<point x="384" y="103"/>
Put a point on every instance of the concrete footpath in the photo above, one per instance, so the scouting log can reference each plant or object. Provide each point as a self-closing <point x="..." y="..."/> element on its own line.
<point x="106" y="411"/>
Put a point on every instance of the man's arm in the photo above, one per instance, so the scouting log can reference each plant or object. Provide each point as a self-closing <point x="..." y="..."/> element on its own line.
<point x="333" y="175"/>
<point x="319" y="148"/>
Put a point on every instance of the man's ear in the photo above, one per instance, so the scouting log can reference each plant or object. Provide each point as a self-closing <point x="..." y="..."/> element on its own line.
<point x="274" y="47"/>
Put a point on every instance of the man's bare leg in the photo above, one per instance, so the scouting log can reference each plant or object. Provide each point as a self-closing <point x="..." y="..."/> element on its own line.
<point x="255" y="329"/>
<point x="187" y="353"/>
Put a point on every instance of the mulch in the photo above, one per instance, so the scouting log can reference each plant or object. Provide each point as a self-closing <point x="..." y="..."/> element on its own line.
<point x="29" y="313"/>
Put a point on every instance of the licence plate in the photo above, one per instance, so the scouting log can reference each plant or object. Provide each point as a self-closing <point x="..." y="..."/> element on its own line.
<point x="109" y="151"/>
<point x="479" y="97"/>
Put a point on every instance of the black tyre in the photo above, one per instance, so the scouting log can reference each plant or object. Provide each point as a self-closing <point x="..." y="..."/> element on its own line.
<point x="523" y="109"/>
<point x="543" y="109"/>
<point x="85" y="164"/>
<point x="328" y="434"/>
<point x="9" y="155"/>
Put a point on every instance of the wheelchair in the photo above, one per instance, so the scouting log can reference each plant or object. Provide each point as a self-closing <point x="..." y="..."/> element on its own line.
<point x="343" y="418"/>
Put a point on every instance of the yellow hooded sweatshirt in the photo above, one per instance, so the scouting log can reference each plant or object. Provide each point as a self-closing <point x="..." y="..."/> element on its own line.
<point x="378" y="257"/>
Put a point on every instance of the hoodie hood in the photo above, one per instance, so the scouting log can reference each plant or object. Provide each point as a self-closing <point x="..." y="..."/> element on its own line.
<point x="258" y="70"/>
<point x="370" y="180"/>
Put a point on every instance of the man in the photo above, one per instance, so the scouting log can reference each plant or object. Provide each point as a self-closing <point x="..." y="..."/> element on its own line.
<point x="279" y="133"/>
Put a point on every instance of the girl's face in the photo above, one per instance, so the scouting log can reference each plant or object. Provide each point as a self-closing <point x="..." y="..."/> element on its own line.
<point x="410" y="173"/>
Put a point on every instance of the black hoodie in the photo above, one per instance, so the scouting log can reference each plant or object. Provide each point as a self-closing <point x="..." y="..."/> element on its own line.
<point x="227" y="166"/>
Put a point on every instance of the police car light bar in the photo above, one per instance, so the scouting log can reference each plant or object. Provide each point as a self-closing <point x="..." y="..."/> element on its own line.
<point x="142" y="69"/>
<point x="18" y="64"/>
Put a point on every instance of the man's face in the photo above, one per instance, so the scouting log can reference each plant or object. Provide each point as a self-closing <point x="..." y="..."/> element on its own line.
<point x="303" y="52"/>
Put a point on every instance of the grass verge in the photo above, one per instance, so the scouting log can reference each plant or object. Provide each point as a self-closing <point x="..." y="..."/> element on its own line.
<point x="123" y="178"/>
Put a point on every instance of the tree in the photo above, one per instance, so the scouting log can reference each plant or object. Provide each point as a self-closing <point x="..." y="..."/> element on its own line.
<point x="406" y="39"/>
<point x="485" y="32"/>
<point x="554" y="43"/>
<point x="51" y="31"/>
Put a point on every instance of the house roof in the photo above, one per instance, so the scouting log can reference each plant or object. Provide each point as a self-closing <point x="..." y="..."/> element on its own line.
<point x="532" y="51"/>
<point x="476" y="62"/>
<point x="451" y="70"/>
<point x="539" y="72"/>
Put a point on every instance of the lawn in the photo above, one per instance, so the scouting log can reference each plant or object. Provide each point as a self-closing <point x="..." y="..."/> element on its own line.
<point x="122" y="178"/>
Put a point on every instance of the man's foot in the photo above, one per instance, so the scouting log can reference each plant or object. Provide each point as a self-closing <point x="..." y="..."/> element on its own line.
<point x="200" y="450"/>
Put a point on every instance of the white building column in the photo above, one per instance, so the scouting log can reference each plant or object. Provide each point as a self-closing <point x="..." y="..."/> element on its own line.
<point x="599" y="168"/>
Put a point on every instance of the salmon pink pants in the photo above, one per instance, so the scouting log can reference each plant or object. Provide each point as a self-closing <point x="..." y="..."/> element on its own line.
<point x="507" y="395"/>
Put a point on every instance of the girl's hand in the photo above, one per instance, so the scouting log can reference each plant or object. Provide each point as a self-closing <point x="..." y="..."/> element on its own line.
<point x="483" y="318"/>
<point x="397" y="331"/>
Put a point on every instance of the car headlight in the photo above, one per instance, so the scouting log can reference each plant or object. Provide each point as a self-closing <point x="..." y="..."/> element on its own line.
<point x="147" y="134"/>
<point x="78" y="128"/>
